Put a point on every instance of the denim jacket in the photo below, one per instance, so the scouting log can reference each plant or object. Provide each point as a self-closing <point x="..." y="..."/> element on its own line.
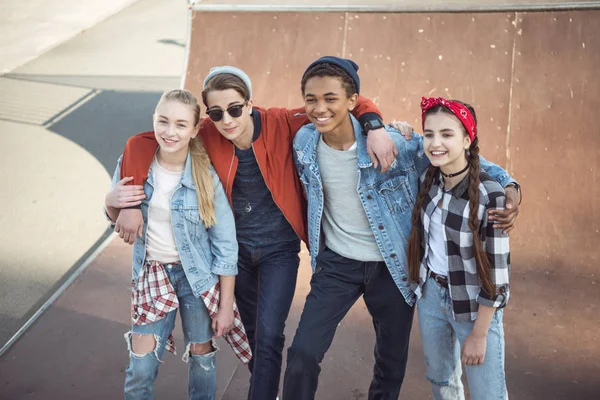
<point x="205" y="253"/>
<point x="387" y="198"/>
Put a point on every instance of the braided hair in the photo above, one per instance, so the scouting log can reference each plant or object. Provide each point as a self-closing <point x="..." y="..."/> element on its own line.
<point x="415" y="252"/>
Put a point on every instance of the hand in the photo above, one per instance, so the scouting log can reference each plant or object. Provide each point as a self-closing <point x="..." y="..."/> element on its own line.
<point x="129" y="224"/>
<point x="123" y="195"/>
<point x="404" y="127"/>
<point x="223" y="321"/>
<point x="505" y="219"/>
<point x="381" y="148"/>
<point x="473" y="350"/>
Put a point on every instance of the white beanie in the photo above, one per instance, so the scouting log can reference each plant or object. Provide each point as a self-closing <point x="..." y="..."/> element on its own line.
<point x="226" y="69"/>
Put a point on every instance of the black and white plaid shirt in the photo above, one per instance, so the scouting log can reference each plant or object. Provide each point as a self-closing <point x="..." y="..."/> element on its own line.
<point x="463" y="282"/>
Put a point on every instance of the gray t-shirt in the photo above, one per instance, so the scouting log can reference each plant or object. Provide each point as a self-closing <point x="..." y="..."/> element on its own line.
<point x="345" y="225"/>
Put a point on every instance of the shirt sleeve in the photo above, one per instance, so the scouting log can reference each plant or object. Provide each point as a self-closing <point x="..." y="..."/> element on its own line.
<point x="137" y="157"/>
<point x="222" y="235"/>
<point x="496" y="246"/>
<point x="495" y="172"/>
<point x="115" y="179"/>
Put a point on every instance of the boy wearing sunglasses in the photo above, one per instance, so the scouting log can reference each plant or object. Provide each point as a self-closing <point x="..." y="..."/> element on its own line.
<point x="251" y="150"/>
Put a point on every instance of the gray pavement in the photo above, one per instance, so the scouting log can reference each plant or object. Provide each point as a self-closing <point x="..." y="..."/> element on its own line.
<point x="31" y="27"/>
<point x="64" y="119"/>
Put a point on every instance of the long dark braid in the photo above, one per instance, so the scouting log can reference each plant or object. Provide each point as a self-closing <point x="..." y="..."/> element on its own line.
<point x="481" y="257"/>
<point x="414" y="240"/>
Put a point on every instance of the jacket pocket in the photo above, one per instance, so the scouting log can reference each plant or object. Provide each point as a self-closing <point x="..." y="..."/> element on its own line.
<point x="396" y="194"/>
<point x="193" y="224"/>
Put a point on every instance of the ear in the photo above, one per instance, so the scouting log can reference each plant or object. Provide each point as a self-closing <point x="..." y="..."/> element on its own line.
<point x="352" y="101"/>
<point x="467" y="142"/>
<point x="196" y="130"/>
<point x="250" y="105"/>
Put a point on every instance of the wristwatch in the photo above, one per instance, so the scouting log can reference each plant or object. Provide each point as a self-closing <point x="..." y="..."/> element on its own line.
<point x="372" y="124"/>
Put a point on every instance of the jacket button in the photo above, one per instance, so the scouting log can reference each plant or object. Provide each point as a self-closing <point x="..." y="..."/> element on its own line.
<point x="139" y="260"/>
<point x="393" y="255"/>
<point x="404" y="279"/>
<point x="369" y="197"/>
<point x="380" y="227"/>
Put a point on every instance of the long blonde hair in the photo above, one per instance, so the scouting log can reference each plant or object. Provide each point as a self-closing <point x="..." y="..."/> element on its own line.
<point x="200" y="161"/>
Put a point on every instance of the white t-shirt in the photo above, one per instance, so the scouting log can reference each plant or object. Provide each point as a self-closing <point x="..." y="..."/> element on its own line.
<point x="160" y="240"/>
<point x="437" y="259"/>
<point x="345" y="225"/>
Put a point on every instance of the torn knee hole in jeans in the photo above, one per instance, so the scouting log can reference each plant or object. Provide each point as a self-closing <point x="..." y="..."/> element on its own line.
<point x="129" y="338"/>
<point x="209" y="356"/>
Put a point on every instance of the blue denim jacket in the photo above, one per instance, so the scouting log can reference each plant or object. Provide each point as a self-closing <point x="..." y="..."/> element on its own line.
<point x="205" y="253"/>
<point x="388" y="198"/>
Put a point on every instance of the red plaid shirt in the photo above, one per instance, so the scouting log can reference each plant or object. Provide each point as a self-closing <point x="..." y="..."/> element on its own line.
<point x="153" y="297"/>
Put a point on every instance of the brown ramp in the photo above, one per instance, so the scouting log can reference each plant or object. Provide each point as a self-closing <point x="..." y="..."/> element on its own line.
<point x="532" y="79"/>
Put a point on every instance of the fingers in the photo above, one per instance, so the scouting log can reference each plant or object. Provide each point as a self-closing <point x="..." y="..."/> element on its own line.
<point x="140" y="231"/>
<point x="387" y="162"/>
<point x="214" y="325"/>
<point x="125" y="180"/>
<point x="508" y="230"/>
<point x="396" y="125"/>
<point x="131" y="201"/>
<point x="219" y="331"/>
<point x="132" y="237"/>
<point x="373" y="157"/>
<point x="128" y="179"/>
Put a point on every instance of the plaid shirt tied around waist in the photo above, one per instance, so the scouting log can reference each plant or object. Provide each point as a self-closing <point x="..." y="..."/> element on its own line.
<point x="153" y="297"/>
<point x="463" y="281"/>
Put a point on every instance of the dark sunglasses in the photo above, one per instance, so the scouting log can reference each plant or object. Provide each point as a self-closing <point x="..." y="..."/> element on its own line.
<point x="216" y="114"/>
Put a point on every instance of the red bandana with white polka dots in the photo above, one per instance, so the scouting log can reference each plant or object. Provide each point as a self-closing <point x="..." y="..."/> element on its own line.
<point x="462" y="113"/>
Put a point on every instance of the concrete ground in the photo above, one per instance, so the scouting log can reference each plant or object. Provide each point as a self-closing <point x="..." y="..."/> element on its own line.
<point x="64" y="119"/>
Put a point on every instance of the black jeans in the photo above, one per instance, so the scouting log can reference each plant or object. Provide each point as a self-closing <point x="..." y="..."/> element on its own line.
<point x="264" y="290"/>
<point x="335" y="286"/>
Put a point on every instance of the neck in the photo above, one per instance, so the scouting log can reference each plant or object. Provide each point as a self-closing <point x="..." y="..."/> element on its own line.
<point x="174" y="162"/>
<point x="453" y="168"/>
<point x="244" y="141"/>
<point x="341" y="137"/>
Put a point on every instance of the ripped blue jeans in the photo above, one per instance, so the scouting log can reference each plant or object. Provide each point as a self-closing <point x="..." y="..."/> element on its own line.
<point x="197" y="328"/>
<point x="443" y="337"/>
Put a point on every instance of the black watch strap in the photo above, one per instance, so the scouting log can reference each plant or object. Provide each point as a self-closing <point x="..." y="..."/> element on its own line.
<point x="371" y="124"/>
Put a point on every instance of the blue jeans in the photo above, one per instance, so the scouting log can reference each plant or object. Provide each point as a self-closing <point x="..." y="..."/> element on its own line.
<point x="335" y="286"/>
<point x="264" y="290"/>
<point x="197" y="328"/>
<point x="443" y="338"/>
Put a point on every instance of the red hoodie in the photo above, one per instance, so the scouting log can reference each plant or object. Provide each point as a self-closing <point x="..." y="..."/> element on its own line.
<point x="272" y="148"/>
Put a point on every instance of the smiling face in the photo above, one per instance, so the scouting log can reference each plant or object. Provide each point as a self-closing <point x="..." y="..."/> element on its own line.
<point x="445" y="141"/>
<point x="232" y="128"/>
<point x="174" y="126"/>
<point x="327" y="104"/>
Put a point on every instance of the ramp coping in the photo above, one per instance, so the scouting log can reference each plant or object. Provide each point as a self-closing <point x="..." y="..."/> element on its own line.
<point x="401" y="7"/>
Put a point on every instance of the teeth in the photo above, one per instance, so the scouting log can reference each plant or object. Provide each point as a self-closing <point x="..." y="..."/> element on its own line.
<point x="438" y="152"/>
<point x="322" y="119"/>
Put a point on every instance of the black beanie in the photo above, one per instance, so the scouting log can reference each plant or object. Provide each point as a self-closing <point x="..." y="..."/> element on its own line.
<point x="349" y="66"/>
